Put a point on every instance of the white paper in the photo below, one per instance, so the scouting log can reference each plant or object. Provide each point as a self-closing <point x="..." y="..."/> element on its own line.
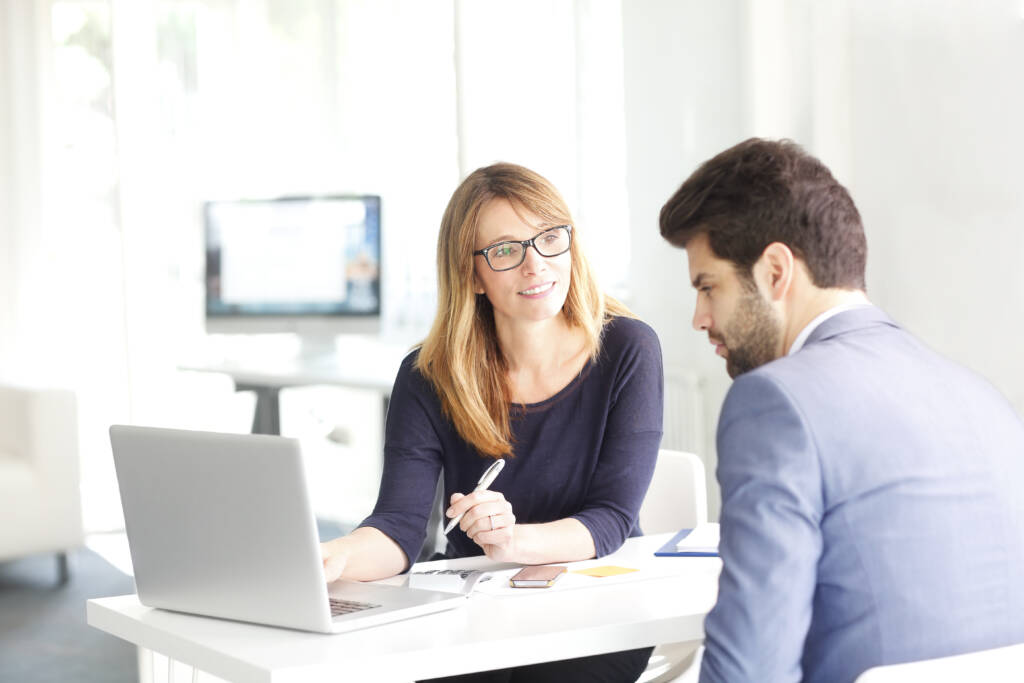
<point x="448" y="580"/>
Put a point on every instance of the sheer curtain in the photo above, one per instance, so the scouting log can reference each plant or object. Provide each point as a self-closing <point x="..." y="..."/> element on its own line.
<point x="540" y="84"/>
<point x="127" y="114"/>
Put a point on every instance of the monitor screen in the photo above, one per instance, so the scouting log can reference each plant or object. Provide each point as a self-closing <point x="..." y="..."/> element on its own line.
<point x="271" y="263"/>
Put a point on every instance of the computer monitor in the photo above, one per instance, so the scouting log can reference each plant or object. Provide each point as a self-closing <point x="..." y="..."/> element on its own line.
<point x="305" y="265"/>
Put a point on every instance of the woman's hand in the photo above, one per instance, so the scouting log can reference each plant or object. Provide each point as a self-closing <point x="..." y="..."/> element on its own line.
<point x="488" y="521"/>
<point x="335" y="555"/>
<point x="366" y="554"/>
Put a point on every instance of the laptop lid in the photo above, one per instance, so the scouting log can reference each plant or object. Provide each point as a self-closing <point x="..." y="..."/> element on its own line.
<point x="221" y="525"/>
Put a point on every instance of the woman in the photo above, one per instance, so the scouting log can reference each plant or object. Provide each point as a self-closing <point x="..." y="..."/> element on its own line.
<point x="526" y="361"/>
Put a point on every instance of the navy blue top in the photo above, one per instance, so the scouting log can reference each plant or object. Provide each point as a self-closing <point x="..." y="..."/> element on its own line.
<point x="588" y="452"/>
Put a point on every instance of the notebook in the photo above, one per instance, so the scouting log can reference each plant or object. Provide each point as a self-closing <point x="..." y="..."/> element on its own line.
<point x="701" y="541"/>
<point x="221" y="525"/>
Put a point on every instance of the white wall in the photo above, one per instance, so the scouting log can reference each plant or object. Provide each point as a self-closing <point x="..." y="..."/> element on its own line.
<point x="938" y="126"/>
<point x="7" y="260"/>
<point x="915" y="105"/>
<point x="685" y="100"/>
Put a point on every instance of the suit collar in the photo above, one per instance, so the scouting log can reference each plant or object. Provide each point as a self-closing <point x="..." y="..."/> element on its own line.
<point x="849" y="321"/>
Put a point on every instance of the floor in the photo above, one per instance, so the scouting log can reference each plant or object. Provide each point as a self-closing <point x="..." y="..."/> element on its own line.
<point x="43" y="634"/>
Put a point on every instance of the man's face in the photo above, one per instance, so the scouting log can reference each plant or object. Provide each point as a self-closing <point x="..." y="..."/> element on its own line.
<point x="740" y="322"/>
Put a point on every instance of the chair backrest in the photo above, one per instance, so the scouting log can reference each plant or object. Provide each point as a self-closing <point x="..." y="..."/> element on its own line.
<point x="1001" y="665"/>
<point x="677" y="498"/>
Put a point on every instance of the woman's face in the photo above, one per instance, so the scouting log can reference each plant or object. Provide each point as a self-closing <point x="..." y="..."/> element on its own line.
<point x="534" y="290"/>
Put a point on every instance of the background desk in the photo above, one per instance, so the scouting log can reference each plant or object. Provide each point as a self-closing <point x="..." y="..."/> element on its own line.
<point x="357" y="363"/>
<point x="487" y="633"/>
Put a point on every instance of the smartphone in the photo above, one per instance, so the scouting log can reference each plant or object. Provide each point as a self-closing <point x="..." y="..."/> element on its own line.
<point x="536" y="577"/>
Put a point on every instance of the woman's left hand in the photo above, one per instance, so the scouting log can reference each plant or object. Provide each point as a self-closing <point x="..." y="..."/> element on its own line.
<point x="488" y="521"/>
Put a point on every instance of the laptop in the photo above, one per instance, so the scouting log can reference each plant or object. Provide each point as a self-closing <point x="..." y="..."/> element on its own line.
<point x="221" y="525"/>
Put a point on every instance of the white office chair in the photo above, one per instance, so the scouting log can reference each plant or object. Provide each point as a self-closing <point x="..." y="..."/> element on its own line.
<point x="40" y="505"/>
<point x="1001" y="665"/>
<point x="677" y="499"/>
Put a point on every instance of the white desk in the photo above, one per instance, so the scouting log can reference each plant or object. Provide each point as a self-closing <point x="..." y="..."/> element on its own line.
<point x="358" y="363"/>
<point x="489" y="632"/>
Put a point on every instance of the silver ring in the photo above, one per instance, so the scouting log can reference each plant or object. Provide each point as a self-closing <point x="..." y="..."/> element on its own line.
<point x="491" y="517"/>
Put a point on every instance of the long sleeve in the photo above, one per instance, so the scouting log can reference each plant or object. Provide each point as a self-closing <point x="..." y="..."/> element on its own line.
<point x="629" y="449"/>
<point x="772" y="505"/>
<point x="412" y="463"/>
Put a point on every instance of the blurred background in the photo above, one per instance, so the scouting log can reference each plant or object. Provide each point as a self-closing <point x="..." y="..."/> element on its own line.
<point x="119" y="119"/>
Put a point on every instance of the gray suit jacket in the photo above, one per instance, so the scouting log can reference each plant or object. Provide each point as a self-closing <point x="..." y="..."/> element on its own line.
<point x="871" y="510"/>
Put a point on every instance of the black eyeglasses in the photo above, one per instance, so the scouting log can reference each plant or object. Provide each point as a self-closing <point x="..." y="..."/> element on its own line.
<point x="508" y="255"/>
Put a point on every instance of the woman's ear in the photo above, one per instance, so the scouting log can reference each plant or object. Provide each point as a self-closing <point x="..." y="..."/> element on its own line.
<point x="478" y="286"/>
<point x="775" y="269"/>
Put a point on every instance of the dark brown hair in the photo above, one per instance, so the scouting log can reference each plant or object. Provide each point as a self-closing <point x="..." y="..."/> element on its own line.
<point x="764" y="191"/>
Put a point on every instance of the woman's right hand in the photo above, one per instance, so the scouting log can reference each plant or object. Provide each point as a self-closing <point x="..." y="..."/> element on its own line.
<point x="366" y="554"/>
<point x="335" y="555"/>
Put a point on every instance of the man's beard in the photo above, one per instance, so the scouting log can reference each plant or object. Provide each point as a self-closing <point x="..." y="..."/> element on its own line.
<point x="752" y="336"/>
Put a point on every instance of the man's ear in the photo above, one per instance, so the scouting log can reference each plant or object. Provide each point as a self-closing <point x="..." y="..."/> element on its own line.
<point x="775" y="270"/>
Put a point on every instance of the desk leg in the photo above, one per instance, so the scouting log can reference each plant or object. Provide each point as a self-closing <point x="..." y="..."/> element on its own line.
<point x="145" y="656"/>
<point x="268" y="408"/>
<point x="157" y="668"/>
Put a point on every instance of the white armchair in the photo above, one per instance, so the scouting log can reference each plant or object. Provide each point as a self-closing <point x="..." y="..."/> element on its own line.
<point x="40" y="504"/>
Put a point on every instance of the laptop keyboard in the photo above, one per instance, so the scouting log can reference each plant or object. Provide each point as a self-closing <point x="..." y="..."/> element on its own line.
<point x="339" y="607"/>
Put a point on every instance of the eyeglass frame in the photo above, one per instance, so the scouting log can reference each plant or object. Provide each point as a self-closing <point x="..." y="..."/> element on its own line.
<point x="526" y="245"/>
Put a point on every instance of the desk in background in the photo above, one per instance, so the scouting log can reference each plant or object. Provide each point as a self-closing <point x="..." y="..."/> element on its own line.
<point x="487" y="633"/>
<point x="357" y="363"/>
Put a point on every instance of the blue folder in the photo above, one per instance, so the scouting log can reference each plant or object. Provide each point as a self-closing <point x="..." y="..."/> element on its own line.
<point x="669" y="549"/>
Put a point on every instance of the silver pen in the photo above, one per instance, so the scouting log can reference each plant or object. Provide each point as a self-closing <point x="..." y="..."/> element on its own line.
<point x="485" y="481"/>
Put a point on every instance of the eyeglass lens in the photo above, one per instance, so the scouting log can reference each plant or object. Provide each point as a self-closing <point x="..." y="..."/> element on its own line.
<point x="505" y="255"/>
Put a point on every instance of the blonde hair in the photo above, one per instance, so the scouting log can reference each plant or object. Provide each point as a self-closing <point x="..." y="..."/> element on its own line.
<point x="461" y="356"/>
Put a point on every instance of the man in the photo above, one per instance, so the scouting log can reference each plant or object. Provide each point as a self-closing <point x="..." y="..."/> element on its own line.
<point x="871" y="490"/>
